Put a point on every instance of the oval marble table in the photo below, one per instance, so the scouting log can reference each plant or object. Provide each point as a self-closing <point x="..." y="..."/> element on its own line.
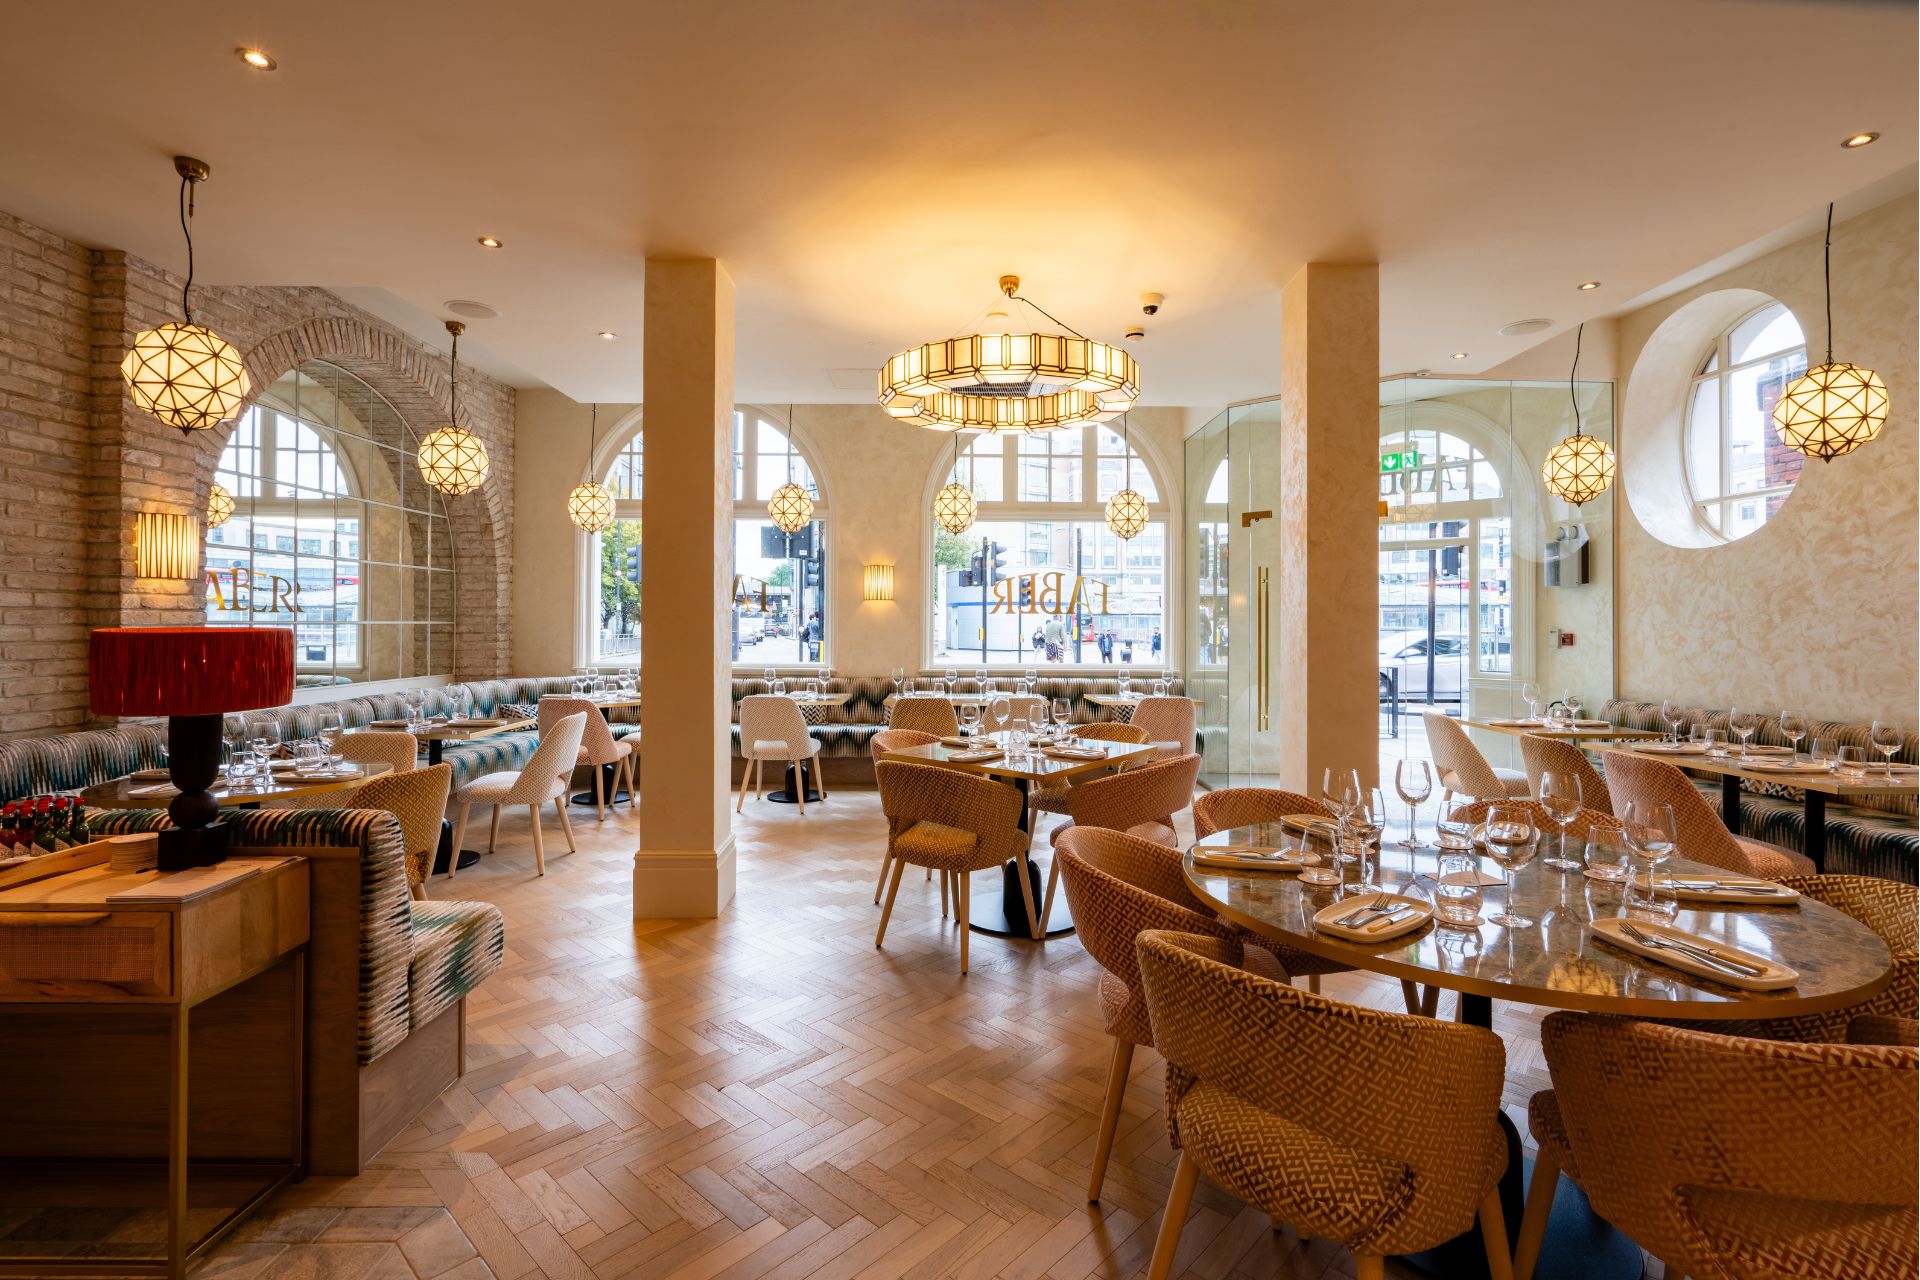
<point x="1559" y="963"/>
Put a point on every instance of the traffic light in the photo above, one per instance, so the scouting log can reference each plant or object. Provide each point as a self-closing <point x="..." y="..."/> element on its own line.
<point x="809" y="574"/>
<point x="1026" y="593"/>
<point x="974" y="576"/>
<point x="633" y="563"/>
<point x="1450" y="562"/>
<point x="997" y="567"/>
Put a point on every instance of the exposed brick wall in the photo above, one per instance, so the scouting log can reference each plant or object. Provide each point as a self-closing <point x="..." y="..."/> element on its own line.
<point x="77" y="460"/>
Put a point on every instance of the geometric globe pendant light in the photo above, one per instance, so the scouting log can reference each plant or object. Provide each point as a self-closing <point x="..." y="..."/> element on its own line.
<point x="452" y="459"/>
<point x="219" y="506"/>
<point x="790" y="509"/>
<point x="185" y="375"/>
<point x="1831" y="409"/>
<point x="955" y="507"/>
<point x="1127" y="510"/>
<point x="590" y="505"/>
<point x="1581" y="467"/>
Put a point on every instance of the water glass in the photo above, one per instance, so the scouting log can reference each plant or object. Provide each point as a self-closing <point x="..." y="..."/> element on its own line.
<point x="1063" y="715"/>
<point x="1651" y="832"/>
<point x="243" y="771"/>
<point x="1530" y="694"/>
<point x="1607" y="855"/>
<point x="1453" y="833"/>
<point x="813" y="690"/>
<point x="1653" y="898"/>
<point x="1511" y="841"/>
<point x="1885" y="736"/>
<point x="899" y="680"/>
<point x="1560" y="796"/>
<point x="1827" y="751"/>
<point x="308" y="757"/>
<point x="1017" y="735"/>
<point x="1700" y="736"/>
<point x="1851" y="763"/>
<point x="1413" y="780"/>
<point x="780" y="687"/>
<point x="1717" y="743"/>
<point x="1456" y="891"/>
<point x="1160" y="688"/>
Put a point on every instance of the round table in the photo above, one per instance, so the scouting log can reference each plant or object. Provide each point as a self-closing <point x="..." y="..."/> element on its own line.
<point x="1557" y="963"/>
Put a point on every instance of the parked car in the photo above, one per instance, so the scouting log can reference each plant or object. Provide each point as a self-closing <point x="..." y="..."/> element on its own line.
<point x="1405" y="652"/>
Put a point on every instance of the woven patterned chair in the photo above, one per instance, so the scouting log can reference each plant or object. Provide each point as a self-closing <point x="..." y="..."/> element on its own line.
<point x="1120" y="886"/>
<point x="1463" y="770"/>
<point x="1729" y="1156"/>
<point x="1353" y="1155"/>
<point x="395" y="748"/>
<point x="949" y="821"/>
<point x="772" y="728"/>
<point x="1700" y="835"/>
<point x="1054" y="799"/>
<point x="1543" y="755"/>
<point x="925" y="713"/>
<point x="1140" y="802"/>
<point x="1169" y="723"/>
<point x="418" y="798"/>
<point x="895" y="740"/>
<point x="544" y="779"/>
<point x="598" y="747"/>
<point x="1020" y="706"/>
<point x="1248" y="806"/>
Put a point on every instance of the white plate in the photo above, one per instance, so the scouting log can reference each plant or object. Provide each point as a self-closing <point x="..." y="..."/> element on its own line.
<point x="975" y="757"/>
<point x="1775" y="977"/>
<point x="1670" y="748"/>
<point x="1323" y="919"/>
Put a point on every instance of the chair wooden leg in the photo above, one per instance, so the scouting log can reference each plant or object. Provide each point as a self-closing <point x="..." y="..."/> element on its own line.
<point x="459" y="834"/>
<point x="493" y="831"/>
<point x="758" y="790"/>
<point x="1430" y="1002"/>
<point x="631" y="764"/>
<point x="1493" y="1231"/>
<point x="893" y="891"/>
<point x="1026" y="895"/>
<point x="599" y="790"/>
<point x="800" y="785"/>
<point x="966" y="878"/>
<point x="1053" y="881"/>
<point x="1369" y="1266"/>
<point x="1118" y="1066"/>
<point x="1313" y="983"/>
<point x="539" y="850"/>
<point x="566" y="822"/>
<point x="746" y="775"/>
<point x="1179" y="1196"/>
<point x="944" y="907"/>
<point x="886" y="865"/>
<point x="1533" y="1221"/>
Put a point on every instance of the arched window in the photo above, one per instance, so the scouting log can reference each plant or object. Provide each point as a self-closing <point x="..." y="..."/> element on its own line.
<point x="333" y="533"/>
<point x="1738" y="471"/>
<point x="780" y="602"/>
<point x="1040" y="562"/>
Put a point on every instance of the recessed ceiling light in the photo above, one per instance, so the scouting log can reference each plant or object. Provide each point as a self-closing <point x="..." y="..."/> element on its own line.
<point x="470" y="309"/>
<point x="1520" y="328"/>
<point x="488" y="242"/>
<point x="1459" y="355"/>
<point x="258" y="59"/>
<point x="1588" y="286"/>
<point x="1858" y="140"/>
<point x="608" y="335"/>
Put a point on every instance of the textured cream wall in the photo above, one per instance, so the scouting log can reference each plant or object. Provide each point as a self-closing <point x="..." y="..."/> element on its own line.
<point x="1817" y="610"/>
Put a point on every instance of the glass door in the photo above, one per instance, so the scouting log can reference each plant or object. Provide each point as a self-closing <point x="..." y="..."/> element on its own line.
<point x="1253" y="509"/>
<point x="1209" y="594"/>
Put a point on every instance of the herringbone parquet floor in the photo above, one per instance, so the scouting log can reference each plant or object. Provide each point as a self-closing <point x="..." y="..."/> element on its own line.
<point x="766" y="1096"/>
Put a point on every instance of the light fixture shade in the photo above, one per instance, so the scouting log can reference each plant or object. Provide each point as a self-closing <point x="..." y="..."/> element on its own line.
<point x="453" y="460"/>
<point x="1831" y="410"/>
<point x="590" y="506"/>
<point x="219" y="506"/>
<point x="954" y="508"/>
<point x="1579" y="469"/>
<point x="790" y="508"/>
<point x="166" y="544"/>
<point x="188" y="671"/>
<point x="1126" y="514"/>
<point x="186" y="376"/>
<point x="877" y="582"/>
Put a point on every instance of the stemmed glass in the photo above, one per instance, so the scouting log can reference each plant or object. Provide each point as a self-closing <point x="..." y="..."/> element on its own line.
<point x="1511" y="841"/>
<point x="767" y="675"/>
<point x="1560" y="797"/>
<point x="235" y="730"/>
<point x="1742" y="723"/>
<point x="1340" y="788"/>
<point x="1650" y="832"/>
<point x="1033" y="680"/>
<point x="1530" y="694"/>
<point x="1672" y="715"/>
<point x="1062" y="715"/>
<point x="1413" y="779"/>
<point x="331" y="729"/>
<point x="999" y="711"/>
<point x="1885" y="736"/>
<point x="899" y="679"/>
<point x="980" y="680"/>
<point x="1793" y="727"/>
<point x="1574" y="706"/>
<point x="952" y="678"/>
<point x="264" y="731"/>
<point x="1124" y="679"/>
<point x="970" y="719"/>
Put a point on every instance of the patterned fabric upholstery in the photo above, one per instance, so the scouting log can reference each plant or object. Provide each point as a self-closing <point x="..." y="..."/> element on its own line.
<point x="456" y="947"/>
<point x="69" y="761"/>
<point x="1746" y="1158"/>
<point x="925" y="714"/>
<point x="418" y="798"/>
<point x="1054" y="799"/>
<point x="1169" y="723"/>
<point x="1354" y="1156"/>
<point x="1583" y="822"/>
<point x="1150" y="793"/>
<point x="1541" y="755"/>
<point x="1246" y="806"/>
<point x="1460" y="766"/>
<point x="1700" y="835"/>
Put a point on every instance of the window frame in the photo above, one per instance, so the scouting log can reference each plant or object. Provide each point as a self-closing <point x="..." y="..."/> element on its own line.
<point x="1716" y="366"/>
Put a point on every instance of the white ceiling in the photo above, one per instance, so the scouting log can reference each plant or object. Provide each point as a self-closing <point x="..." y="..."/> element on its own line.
<point x="865" y="170"/>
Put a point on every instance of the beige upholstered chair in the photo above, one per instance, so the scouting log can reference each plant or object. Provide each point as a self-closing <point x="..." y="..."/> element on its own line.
<point x="1168" y="722"/>
<point x="1247" y="806"/>
<point x="1352" y="1155"/>
<point x="1551" y="755"/>
<point x="1020" y="706"/>
<point x="1727" y="1156"/>
<point x="925" y="713"/>
<point x="1463" y="770"/>
<point x="879" y="744"/>
<point x="1140" y="802"/>
<point x="418" y="797"/>
<point x="1054" y="799"/>
<point x="544" y="779"/>
<point x="949" y="821"/>
<point x="772" y="728"/>
<point x="598" y="746"/>
<point x="1120" y="886"/>
<point x="395" y="748"/>
<point x="1700" y="835"/>
<point x="1586" y="820"/>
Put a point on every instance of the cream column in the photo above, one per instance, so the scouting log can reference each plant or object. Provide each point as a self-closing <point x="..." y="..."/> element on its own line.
<point x="685" y="864"/>
<point x="1325" y="610"/>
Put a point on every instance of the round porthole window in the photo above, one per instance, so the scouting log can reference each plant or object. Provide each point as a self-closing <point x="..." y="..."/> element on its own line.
<point x="1738" y="471"/>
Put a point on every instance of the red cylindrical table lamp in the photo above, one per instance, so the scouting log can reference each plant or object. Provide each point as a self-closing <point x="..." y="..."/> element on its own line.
<point x="191" y="675"/>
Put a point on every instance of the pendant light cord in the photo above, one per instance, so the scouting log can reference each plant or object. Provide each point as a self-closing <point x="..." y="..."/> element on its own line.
<point x="453" y="379"/>
<point x="593" y="440"/>
<point x="1573" y="373"/>
<point x="789" y="444"/>
<point x="186" y="215"/>
<point x="1827" y="269"/>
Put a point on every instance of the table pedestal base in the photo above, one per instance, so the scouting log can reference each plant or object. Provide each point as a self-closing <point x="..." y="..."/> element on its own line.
<point x="609" y="776"/>
<point x="442" y="856"/>
<point x="790" y="793"/>
<point x="1002" y="912"/>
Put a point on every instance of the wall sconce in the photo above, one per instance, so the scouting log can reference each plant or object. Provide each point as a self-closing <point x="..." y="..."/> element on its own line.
<point x="877" y="582"/>
<point x="165" y="545"/>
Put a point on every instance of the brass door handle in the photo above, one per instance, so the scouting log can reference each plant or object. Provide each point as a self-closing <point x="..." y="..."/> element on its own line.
<point x="1263" y="632"/>
<point x="1249" y="518"/>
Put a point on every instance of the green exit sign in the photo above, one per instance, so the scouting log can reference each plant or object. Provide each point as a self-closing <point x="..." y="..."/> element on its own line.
<point x="1406" y="460"/>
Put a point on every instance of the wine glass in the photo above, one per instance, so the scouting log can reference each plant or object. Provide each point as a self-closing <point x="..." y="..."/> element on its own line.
<point x="952" y="678"/>
<point x="1741" y="722"/>
<point x="1124" y="679"/>
<point x="970" y="719"/>
<point x="1511" y="841"/>
<point x="899" y="679"/>
<point x="999" y="711"/>
<point x="980" y="679"/>
<point x="1413" y="779"/>
<point x="1650" y="831"/>
<point x="1530" y="694"/>
<point x="1560" y="797"/>
<point x="1793" y="727"/>
<point x="1340" y="788"/>
<point x="1062" y="715"/>
<point x="263" y="733"/>
<point x="1885" y="736"/>
<point x="1033" y="680"/>
<point x="767" y="675"/>
<point x="1574" y="706"/>
<point x="1671" y="713"/>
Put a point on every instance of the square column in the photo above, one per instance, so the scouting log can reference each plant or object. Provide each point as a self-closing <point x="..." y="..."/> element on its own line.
<point x="1326" y="609"/>
<point x="684" y="867"/>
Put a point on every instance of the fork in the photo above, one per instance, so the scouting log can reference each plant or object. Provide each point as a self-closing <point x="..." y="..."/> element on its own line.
<point x="1723" y="963"/>
<point x="1374" y="908"/>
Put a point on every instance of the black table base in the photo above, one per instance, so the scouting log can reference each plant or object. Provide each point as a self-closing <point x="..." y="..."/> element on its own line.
<point x="442" y="857"/>
<point x="609" y="778"/>
<point x="1002" y="913"/>
<point x="790" y="793"/>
